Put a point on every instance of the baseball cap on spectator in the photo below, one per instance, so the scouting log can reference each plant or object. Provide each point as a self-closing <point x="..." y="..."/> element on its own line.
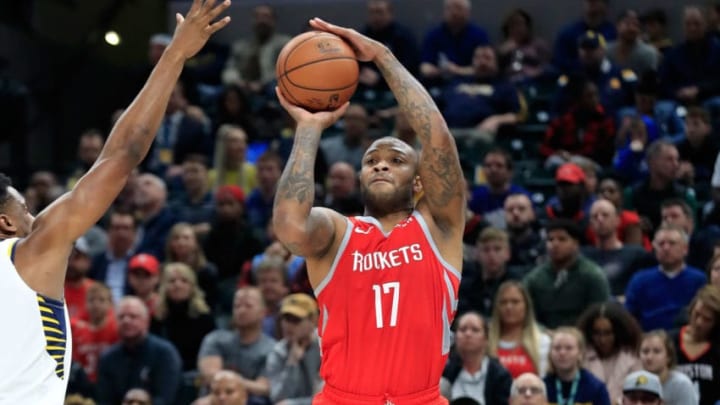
<point x="591" y="40"/>
<point x="570" y="173"/>
<point x="299" y="305"/>
<point x="144" y="262"/>
<point x="232" y="191"/>
<point x="643" y="381"/>
<point x="82" y="246"/>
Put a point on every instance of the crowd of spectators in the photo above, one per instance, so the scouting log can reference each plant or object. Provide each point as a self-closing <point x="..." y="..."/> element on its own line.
<point x="593" y="219"/>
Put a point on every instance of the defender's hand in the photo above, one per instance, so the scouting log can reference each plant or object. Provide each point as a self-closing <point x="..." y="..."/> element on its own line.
<point x="193" y="30"/>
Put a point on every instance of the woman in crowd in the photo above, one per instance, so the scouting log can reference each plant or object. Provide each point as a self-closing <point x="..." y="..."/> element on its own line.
<point x="698" y="344"/>
<point x="613" y="337"/>
<point x="515" y="338"/>
<point x="183" y="246"/>
<point x="182" y="316"/>
<point x="470" y="372"/>
<point x="567" y="382"/>
<point x="657" y="354"/>
<point x="231" y="166"/>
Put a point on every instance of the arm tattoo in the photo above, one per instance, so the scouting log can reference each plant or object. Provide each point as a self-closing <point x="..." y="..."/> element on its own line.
<point x="297" y="181"/>
<point x="439" y="165"/>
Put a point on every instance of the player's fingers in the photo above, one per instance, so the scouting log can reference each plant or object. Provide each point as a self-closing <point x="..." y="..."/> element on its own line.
<point x="195" y="7"/>
<point x="179" y="18"/>
<point x="281" y="98"/>
<point x="218" y="25"/>
<point x="207" y="6"/>
<point x="218" y="10"/>
<point x="340" y="111"/>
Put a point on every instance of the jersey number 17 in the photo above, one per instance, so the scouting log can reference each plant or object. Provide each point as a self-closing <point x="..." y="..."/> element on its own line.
<point x="380" y="290"/>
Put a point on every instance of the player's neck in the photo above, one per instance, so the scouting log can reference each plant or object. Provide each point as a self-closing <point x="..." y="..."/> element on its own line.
<point x="388" y="221"/>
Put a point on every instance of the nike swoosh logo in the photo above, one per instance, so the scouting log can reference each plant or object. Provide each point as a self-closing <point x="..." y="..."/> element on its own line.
<point x="363" y="231"/>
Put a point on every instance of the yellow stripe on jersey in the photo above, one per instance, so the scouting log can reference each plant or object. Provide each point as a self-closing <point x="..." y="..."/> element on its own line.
<point x="48" y="319"/>
<point x="53" y="330"/>
<point x="52" y="315"/>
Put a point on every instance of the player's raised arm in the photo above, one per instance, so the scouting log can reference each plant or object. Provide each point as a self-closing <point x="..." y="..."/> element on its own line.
<point x="74" y="213"/>
<point x="305" y="230"/>
<point x="439" y="168"/>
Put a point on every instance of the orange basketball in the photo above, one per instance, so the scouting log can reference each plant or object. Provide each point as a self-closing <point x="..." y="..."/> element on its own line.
<point x="317" y="71"/>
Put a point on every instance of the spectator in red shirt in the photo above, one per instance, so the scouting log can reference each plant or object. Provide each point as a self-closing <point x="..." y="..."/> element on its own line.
<point x="98" y="332"/>
<point x="586" y="129"/>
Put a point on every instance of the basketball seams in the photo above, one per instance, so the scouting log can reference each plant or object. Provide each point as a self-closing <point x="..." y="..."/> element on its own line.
<point x="294" y="48"/>
<point x="311" y="97"/>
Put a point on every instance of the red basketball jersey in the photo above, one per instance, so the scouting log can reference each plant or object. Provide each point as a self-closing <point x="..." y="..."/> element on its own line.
<point x="385" y="310"/>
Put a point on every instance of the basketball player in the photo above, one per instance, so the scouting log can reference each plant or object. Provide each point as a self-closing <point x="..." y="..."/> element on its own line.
<point x="35" y="344"/>
<point x="386" y="282"/>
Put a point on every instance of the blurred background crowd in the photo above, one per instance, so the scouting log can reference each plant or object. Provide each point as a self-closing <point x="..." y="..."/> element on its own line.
<point x="593" y="217"/>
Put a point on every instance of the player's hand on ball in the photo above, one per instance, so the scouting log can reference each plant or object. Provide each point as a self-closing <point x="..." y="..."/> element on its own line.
<point x="193" y="30"/>
<point x="366" y="49"/>
<point x="302" y="116"/>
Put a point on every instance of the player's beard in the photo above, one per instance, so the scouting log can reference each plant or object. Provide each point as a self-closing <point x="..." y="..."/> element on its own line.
<point x="381" y="203"/>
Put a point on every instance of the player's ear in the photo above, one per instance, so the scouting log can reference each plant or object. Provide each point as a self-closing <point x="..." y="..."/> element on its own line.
<point x="417" y="185"/>
<point x="7" y="225"/>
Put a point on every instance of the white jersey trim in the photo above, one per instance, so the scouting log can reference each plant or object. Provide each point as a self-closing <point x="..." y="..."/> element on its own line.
<point x="433" y="246"/>
<point x="341" y="249"/>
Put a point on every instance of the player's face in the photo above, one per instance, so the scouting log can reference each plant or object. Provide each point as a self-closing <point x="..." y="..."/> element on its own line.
<point x="512" y="307"/>
<point x="653" y="355"/>
<point x="19" y="220"/>
<point x="564" y="352"/>
<point x="387" y="176"/>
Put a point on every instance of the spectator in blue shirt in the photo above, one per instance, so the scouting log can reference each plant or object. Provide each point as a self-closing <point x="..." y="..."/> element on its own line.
<point x="488" y="199"/>
<point x="138" y="360"/>
<point x="382" y="27"/>
<point x="447" y="50"/>
<point x="485" y="101"/>
<point x="689" y="70"/>
<point x="656" y="296"/>
<point x="565" y="52"/>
